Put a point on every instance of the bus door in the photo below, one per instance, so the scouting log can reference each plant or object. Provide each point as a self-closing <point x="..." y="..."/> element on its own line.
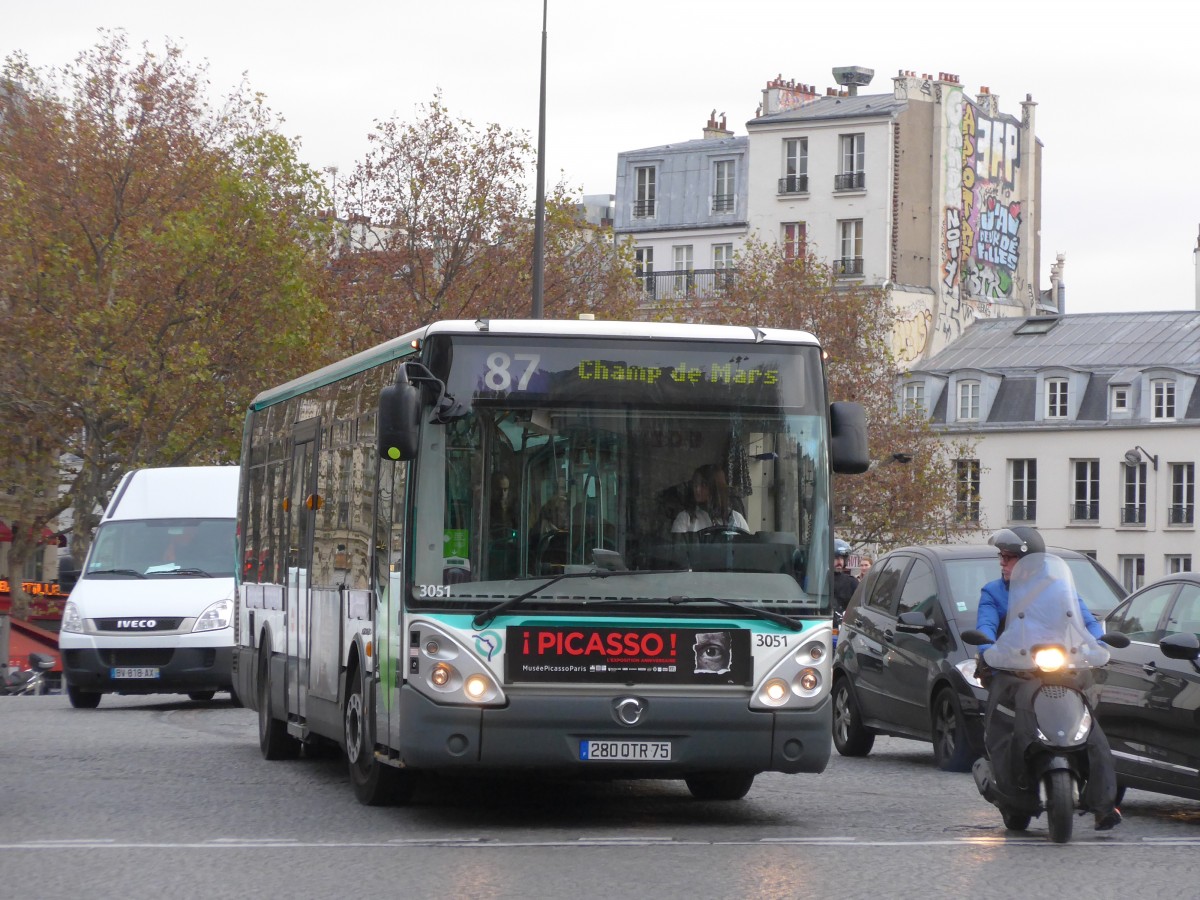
<point x="303" y="503"/>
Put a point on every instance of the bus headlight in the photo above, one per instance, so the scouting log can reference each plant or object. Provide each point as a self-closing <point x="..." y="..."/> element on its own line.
<point x="448" y="672"/>
<point x="440" y="676"/>
<point x="801" y="677"/>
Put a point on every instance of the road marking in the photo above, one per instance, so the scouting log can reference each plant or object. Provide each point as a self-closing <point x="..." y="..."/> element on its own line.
<point x="227" y="843"/>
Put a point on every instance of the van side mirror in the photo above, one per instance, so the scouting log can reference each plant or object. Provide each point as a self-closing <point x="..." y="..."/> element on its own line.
<point x="848" y="438"/>
<point x="399" y="421"/>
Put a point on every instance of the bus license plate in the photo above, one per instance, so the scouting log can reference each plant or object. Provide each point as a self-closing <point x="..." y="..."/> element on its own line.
<point x="625" y="751"/>
<point x="135" y="672"/>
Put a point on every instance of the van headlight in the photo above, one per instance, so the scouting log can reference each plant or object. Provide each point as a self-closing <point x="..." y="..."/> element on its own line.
<point x="71" y="620"/>
<point x="217" y="615"/>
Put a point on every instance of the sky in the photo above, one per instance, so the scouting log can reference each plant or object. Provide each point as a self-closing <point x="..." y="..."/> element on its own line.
<point x="1113" y="83"/>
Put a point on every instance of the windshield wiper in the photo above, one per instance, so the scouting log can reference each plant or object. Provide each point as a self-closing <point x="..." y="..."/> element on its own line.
<point x="188" y="571"/>
<point x="505" y="605"/>
<point x="769" y="615"/>
<point x="133" y="572"/>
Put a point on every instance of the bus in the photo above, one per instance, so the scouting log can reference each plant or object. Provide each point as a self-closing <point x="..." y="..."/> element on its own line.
<point x="460" y="552"/>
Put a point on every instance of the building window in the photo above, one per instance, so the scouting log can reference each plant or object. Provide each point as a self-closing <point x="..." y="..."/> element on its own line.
<point x="722" y="256"/>
<point x="968" y="401"/>
<point x="1179" y="562"/>
<point x="1163" y="399"/>
<point x="643" y="267"/>
<point x="685" y="277"/>
<point x="967" y="495"/>
<point x="1133" y="508"/>
<point x="795" y="166"/>
<point x="1183" y="494"/>
<point x="1056" y="398"/>
<point x="723" y="186"/>
<point x="793" y="240"/>
<point x="1024" y="490"/>
<point x="1120" y="399"/>
<point x="1133" y="571"/>
<point x="850" y="241"/>
<point x="851" y="175"/>
<point x="914" y="397"/>
<point x="1086" y="506"/>
<point x="643" y="200"/>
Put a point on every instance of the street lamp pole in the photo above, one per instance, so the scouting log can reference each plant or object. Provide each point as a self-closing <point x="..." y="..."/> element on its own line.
<point x="539" y="226"/>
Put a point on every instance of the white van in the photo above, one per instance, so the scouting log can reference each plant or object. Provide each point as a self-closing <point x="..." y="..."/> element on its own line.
<point x="152" y="611"/>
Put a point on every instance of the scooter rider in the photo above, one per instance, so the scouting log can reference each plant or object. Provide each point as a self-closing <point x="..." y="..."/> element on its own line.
<point x="1100" y="796"/>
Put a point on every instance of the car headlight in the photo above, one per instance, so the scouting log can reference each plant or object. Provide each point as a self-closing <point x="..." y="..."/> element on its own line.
<point x="217" y="615"/>
<point x="966" y="668"/>
<point x="71" y="620"/>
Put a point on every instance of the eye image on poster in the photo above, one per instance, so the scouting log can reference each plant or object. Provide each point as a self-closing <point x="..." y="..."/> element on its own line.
<point x="713" y="653"/>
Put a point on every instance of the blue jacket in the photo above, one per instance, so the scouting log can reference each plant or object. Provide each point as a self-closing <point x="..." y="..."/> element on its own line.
<point x="993" y="607"/>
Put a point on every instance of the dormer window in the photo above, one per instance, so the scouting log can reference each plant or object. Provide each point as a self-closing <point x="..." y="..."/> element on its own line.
<point x="968" y="401"/>
<point x="1056" y="398"/>
<point x="1119" y="399"/>
<point x="1162" y="399"/>
<point x="914" y="397"/>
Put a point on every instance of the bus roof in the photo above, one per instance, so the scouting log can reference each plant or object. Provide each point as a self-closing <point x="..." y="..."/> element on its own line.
<point x="595" y="328"/>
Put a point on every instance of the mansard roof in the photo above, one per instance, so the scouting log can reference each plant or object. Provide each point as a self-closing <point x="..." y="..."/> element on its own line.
<point x="856" y="106"/>
<point x="1093" y="342"/>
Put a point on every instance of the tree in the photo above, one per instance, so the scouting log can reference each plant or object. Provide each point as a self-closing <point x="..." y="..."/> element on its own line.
<point x="160" y="261"/>
<point x="895" y="502"/>
<point x="437" y="224"/>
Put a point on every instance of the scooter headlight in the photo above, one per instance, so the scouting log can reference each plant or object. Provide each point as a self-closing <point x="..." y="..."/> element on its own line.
<point x="1049" y="659"/>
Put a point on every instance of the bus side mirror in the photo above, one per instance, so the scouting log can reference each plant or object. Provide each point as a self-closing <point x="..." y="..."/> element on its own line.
<point x="399" y="421"/>
<point x="848" y="438"/>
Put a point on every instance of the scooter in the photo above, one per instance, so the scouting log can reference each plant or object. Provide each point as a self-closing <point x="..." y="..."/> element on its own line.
<point x="1040" y="722"/>
<point x="28" y="682"/>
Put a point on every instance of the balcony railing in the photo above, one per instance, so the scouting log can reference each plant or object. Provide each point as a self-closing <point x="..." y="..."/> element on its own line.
<point x="687" y="283"/>
<point x="723" y="203"/>
<point x="793" y="184"/>
<point x="1181" y="515"/>
<point x="1023" y="512"/>
<point x="1085" y="511"/>
<point x="849" y="265"/>
<point x="850" y="181"/>
<point x="643" y="209"/>
<point x="1133" y="514"/>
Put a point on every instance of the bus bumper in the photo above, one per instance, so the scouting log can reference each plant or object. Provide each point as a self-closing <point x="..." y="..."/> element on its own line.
<point x="544" y="731"/>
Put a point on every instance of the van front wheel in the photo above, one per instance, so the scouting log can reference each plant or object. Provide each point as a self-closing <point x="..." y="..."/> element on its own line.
<point x="81" y="699"/>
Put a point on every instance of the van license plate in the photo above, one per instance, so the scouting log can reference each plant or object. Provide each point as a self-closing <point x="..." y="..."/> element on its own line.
<point x="625" y="751"/>
<point x="135" y="672"/>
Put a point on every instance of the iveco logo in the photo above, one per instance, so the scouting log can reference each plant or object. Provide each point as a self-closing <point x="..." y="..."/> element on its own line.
<point x="629" y="710"/>
<point x="137" y="623"/>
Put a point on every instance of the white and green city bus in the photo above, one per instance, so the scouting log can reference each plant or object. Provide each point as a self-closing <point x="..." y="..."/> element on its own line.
<point x="459" y="555"/>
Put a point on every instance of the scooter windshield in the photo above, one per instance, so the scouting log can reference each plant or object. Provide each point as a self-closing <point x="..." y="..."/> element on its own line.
<point x="1043" y="609"/>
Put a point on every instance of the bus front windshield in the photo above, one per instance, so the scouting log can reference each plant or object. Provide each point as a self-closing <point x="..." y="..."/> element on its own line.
<point x="684" y="494"/>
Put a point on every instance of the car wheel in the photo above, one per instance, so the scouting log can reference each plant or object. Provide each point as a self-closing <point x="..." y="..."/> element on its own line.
<point x="850" y="736"/>
<point x="82" y="699"/>
<point x="951" y="749"/>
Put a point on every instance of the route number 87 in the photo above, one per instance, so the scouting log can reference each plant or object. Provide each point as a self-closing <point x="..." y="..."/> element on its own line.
<point x="500" y="378"/>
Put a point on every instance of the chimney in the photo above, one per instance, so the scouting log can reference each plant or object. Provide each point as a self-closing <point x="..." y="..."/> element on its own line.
<point x="1058" y="289"/>
<point x="780" y="95"/>
<point x="1196" y="262"/>
<point x="715" y="130"/>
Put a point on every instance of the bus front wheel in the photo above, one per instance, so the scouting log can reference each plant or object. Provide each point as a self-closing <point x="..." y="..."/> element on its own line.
<point x="725" y="786"/>
<point x="375" y="784"/>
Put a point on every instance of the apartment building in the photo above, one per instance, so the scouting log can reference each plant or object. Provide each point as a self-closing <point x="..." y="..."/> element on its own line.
<point x="1085" y="426"/>
<point x="929" y="192"/>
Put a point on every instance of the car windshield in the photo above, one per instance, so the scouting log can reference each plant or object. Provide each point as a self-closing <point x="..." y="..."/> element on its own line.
<point x="148" y="548"/>
<point x="968" y="576"/>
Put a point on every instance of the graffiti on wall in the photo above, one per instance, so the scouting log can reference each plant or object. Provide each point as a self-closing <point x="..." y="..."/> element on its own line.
<point x="981" y="223"/>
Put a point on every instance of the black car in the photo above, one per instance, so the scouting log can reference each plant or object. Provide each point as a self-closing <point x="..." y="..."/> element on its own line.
<point x="900" y="666"/>
<point x="1150" y="692"/>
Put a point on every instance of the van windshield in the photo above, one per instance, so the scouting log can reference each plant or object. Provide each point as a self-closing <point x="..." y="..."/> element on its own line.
<point x="149" y="548"/>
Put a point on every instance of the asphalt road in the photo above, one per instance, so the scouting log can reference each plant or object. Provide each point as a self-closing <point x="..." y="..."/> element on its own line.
<point x="154" y="797"/>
